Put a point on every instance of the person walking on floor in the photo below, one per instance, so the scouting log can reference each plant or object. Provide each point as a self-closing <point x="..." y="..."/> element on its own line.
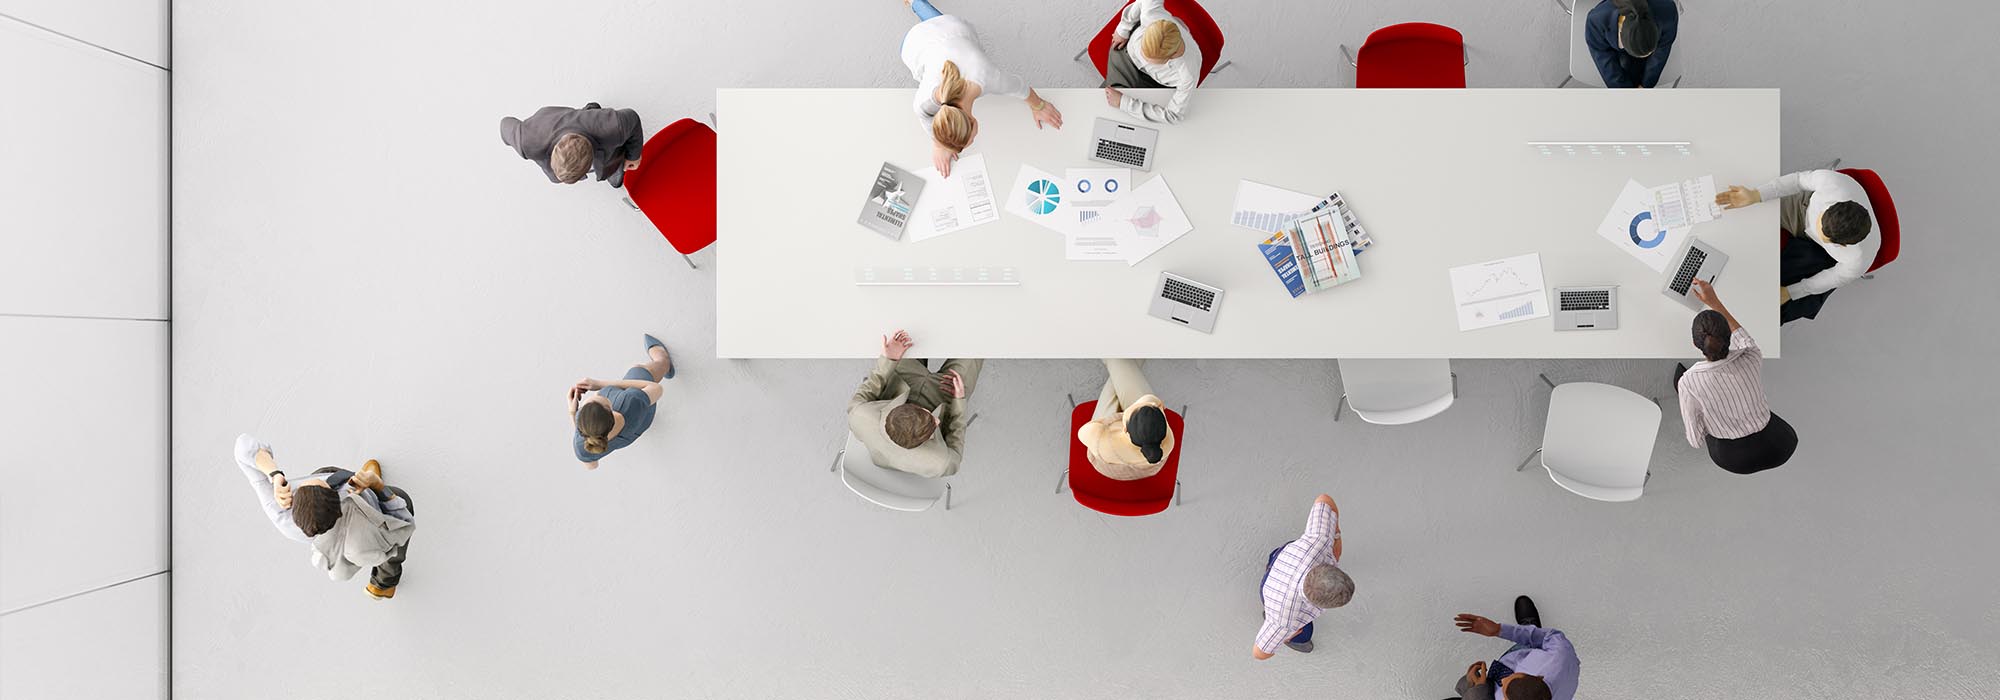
<point x="1127" y="437"/>
<point x="351" y="518"/>
<point x="570" y="143"/>
<point x="952" y="71"/>
<point x="1722" y="397"/>
<point x="1301" y="579"/>
<point x="622" y="410"/>
<point x="1827" y="209"/>
<point x="1151" y="49"/>
<point x="1540" y="666"/>
<point x="910" y="419"/>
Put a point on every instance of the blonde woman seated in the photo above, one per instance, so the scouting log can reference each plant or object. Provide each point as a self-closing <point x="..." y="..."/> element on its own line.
<point x="1160" y="55"/>
<point x="1127" y="437"/>
<point x="952" y="72"/>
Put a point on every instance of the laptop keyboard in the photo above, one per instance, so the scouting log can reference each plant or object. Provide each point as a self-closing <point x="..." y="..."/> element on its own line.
<point x="1121" y="152"/>
<point x="1188" y="294"/>
<point x="1689" y="267"/>
<point x="1591" y="300"/>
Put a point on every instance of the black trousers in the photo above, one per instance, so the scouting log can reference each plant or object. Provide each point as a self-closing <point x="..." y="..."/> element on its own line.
<point x="1802" y="258"/>
<point x="1765" y="449"/>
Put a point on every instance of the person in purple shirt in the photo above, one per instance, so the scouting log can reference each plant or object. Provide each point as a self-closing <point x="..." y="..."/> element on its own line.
<point x="1540" y="666"/>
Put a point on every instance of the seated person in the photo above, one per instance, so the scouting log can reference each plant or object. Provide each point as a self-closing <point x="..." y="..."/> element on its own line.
<point x="570" y="143"/>
<point x="1829" y="209"/>
<point x="1127" y="437"/>
<point x="909" y="419"/>
<point x="1722" y="397"/>
<point x="1161" y="55"/>
<point x="1629" y="40"/>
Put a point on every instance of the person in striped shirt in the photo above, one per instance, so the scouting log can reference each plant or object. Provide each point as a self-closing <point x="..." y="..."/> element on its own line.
<point x="1722" y="397"/>
<point x="1301" y="579"/>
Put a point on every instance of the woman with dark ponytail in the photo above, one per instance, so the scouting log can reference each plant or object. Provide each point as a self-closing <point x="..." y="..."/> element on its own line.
<point x="1722" y="397"/>
<point x="1127" y="437"/>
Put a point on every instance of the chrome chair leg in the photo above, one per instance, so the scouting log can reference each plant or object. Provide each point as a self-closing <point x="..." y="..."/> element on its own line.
<point x="1338" y="406"/>
<point x="1531" y="458"/>
<point x="1567" y="79"/>
<point x="947" y="496"/>
<point x="690" y="261"/>
<point x="836" y="460"/>
<point x="1219" y="66"/>
<point x="1545" y="380"/>
<point x="1079" y="54"/>
<point x="1061" y="479"/>
<point x="1177" y="492"/>
<point x="1454" y="385"/>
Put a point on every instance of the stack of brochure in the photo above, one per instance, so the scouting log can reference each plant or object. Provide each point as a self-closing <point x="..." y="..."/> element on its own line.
<point x="1318" y="251"/>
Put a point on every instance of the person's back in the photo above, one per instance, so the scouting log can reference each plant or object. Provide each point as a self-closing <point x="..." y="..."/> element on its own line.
<point x="1630" y="41"/>
<point x="570" y="143"/>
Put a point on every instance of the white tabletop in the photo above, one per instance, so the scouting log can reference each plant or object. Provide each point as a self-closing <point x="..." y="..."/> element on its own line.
<point x="1439" y="177"/>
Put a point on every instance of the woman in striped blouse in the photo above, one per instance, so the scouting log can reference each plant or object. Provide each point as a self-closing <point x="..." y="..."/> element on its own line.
<point x="1722" y="397"/>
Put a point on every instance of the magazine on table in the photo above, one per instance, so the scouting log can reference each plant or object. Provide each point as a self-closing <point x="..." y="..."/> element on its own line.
<point x="1318" y="251"/>
<point x="890" y="200"/>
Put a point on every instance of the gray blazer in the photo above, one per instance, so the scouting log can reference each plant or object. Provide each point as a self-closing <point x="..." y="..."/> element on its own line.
<point x="615" y="135"/>
<point x="893" y="384"/>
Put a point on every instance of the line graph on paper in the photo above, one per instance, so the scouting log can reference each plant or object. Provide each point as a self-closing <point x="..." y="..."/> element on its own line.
<point x="1498" y="291"/>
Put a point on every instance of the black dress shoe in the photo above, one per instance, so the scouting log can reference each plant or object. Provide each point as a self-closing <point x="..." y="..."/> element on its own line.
<point x="1525" y="612"/>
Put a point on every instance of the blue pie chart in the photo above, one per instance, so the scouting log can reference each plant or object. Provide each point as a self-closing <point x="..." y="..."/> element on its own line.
<point x="1659" y="232"/>
<point x="1043" y="197"/>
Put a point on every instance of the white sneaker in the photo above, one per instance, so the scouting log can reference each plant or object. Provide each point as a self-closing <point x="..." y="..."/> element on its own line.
<point x="247" y="446"/>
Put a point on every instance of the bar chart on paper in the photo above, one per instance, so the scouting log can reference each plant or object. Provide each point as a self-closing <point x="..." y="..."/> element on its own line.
<point x="1499" y="291"/>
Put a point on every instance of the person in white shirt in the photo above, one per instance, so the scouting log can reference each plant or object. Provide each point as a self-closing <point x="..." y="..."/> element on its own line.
<point x="952" y="71"/>
<point x="1162" y="54"/>
<point x="1831" y="210"/>
<point x="1722" y="397"/>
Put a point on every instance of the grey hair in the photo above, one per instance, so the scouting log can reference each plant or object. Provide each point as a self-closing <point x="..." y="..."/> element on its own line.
<point x="1328" y="587"/>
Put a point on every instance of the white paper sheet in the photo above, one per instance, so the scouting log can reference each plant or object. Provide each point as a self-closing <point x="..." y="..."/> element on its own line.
<point x="1499" y="291"/>
<point x="1041" y="197"/>
<point x="956" y="204"/>
<point x="1686" y="203"/>
<point x="1631" y="226"/>
<point x="1093" y="190"/>
<point x="1144" y="221"/>
<point x="1265" y="209"/>
<point x="1089" y="246"/>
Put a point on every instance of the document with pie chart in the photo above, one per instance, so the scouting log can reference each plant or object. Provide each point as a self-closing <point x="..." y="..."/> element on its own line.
<point x="1631" y="226"/>
<point x="1039" y="196"/>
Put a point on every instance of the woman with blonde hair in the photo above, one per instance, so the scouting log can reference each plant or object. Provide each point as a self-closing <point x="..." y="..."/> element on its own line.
<point x="952" y="71"/>
<point x="621" y="410"/>
<point x="1162" y="54"/>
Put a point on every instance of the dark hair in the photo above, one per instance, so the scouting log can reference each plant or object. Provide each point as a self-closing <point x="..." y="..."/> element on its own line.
<point x="1711" y="334"/>
<point x="909" y="425"/>
<point x="1845" y="223"/>
<point x="1528" y="687"/>
<point x="1639" y="33"/>
<point x="315" y="508"/>
<point x="1147" y="427"/>
<point x="594" y="421"/>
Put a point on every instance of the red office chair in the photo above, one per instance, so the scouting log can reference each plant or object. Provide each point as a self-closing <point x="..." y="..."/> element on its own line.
<point x="1207" y="36"/>
<point x="675" y="185"/>
<point x="1410" y="55"/>
<point x="1111" y="496"/>
<point x="1884" y="207"/>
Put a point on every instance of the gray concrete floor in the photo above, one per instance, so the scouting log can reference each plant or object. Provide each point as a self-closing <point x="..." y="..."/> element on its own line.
<point x="362" y="270"/>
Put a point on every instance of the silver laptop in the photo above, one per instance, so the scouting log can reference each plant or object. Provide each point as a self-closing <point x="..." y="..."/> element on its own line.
<point x="1123" y="144"/>
<point x="1696" y="261"/>
<point x="1592" y="308"/>
<point x="1186" y="302"/>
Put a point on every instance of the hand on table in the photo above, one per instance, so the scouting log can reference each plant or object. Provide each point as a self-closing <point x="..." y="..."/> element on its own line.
<point x="1475" y="624"/>
<point x="893" y="347"/>
<point x="1048" y="115"/>
<point x="1738" y="197"/>
<point x="941" y="159"/>
<point x="1113" y="97"/>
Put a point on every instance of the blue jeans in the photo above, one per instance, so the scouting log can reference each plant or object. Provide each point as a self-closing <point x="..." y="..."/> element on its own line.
<point x="924" y="10"/>
<point x="1305" y="634"/>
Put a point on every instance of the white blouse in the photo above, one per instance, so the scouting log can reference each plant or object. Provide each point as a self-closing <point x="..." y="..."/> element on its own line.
<point x="948" y="38"/>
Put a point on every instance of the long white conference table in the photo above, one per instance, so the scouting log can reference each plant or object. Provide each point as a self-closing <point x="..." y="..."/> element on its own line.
<point x="1440" y="178"/>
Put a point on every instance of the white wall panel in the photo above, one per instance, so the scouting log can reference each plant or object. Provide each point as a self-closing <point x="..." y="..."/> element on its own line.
<point x="136" y="28"/>
<point x="109" y="644"/>
<point x="83" y="194"/>
<point x="83" y="455"/>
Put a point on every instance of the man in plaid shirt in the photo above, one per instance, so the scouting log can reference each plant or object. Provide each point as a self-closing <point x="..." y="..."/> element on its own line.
<point x="1301" y="578"/>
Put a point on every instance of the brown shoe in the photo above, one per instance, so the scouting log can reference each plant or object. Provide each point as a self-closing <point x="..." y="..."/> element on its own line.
<point x="372" y="467"/>
<point x="381" y="593"/>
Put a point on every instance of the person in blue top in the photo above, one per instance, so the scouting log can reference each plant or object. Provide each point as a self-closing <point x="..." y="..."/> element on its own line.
<point x="621" y="410"/>
<point x="1630" y="40"/>
<point x="1542" y="665"/>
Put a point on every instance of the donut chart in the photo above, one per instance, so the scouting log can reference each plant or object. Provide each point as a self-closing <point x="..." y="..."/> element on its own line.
<point x="1659" y="232"/>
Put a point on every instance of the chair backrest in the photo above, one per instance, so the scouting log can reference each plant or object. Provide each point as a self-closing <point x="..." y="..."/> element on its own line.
<point x="1598" y="442"/>
<point x="889" y="488"/>
<point x="675" y="184"/>
<point x="1110" y="496"/>
<point x="1395" y="392"/>
<point x="1411" y="55"/>
<point x="1207" y="35"/>
<point x="1885" y="214"/>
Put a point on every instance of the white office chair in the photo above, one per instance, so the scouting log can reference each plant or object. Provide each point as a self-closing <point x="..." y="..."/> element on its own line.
<point x="889" y="488"/>
<point x="1599" y="440"/>
<point x="1396" y="392"/>
<point x="1582" y="69"/>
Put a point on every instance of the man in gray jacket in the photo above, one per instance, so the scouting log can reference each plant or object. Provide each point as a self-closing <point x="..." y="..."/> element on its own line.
<point x="569" y="143"/>
<point x="351" y="519"/>
<point x="909" y="419"/>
